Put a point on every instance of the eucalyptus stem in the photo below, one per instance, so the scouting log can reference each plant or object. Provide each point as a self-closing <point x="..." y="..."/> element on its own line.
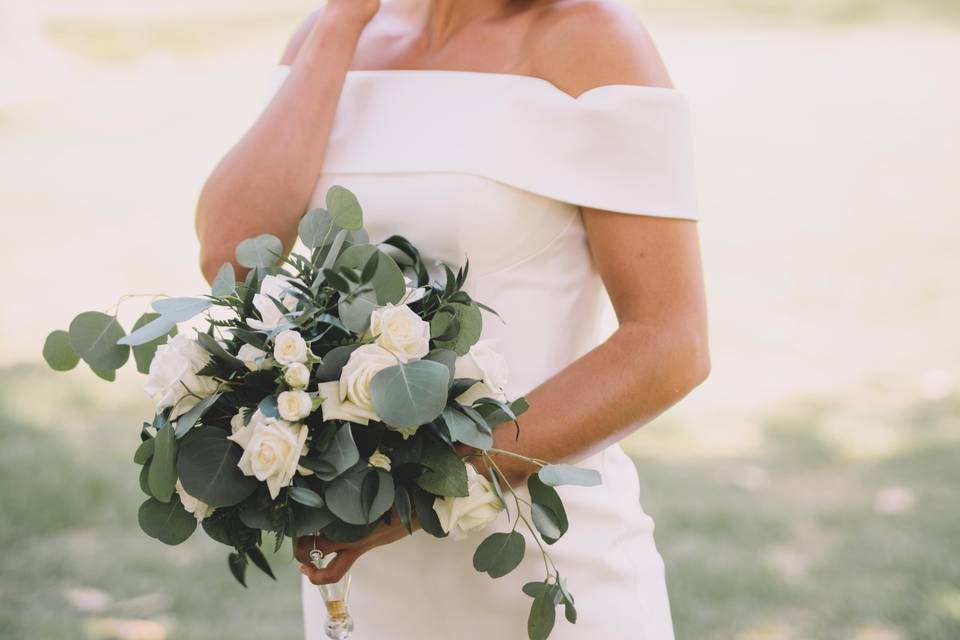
<point x="533" y="533"/>
<point x="536" y="461"/>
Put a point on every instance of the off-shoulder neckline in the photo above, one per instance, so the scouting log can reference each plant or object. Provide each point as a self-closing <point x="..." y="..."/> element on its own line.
<point x="519" y="77"/>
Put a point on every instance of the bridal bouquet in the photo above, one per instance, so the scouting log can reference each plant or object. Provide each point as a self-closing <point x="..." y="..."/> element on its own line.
<point x="326" y="393"/>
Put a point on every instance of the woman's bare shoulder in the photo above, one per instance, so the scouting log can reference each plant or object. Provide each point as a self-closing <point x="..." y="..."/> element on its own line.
<point x="582" y="44"/>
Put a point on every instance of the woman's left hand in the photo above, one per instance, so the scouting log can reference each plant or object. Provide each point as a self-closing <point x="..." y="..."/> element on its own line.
<point x="347" y="552"/>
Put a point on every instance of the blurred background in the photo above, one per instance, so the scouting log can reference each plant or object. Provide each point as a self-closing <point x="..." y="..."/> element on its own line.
<point x="807" y="491"/>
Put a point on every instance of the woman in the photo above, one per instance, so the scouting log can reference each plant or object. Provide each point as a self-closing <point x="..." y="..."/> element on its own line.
<point x="542" y="140"/>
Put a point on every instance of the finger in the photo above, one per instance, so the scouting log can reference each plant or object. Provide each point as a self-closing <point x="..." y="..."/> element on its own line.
<point x="335" y="570"/>
<point x="306" y="544"/>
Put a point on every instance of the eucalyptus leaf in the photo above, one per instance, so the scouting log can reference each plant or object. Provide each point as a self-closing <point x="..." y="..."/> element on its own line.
<point x="94" y="337"/>
<point x="263" y="251"/>
<point x="163" y="467"/>
<point x="344" y="496"/>
<point x="552" y="516"/>
<point x="560" y="474"/>
<point x="463" y="429"/>
<point x="446" y="474"/>
<point x="470" y="324"/>
<point x="355" y="310"/>
<point x="225" y="284"/>
<point x="168" y="522"/>
<point x="314" y="227"/>
<point x="180" y="309"/>
<point x="191" y="417"/>
<point x="499" y="554"/>
<point x="344" y="208"/>
<point x="543" y="616"/>
<point x="332" y="363"/>
<point x="340" y="455"/>
<point x="410" y="394"/>
<point x="207" y="467"/>
<point x="388" y="279"/>
<point x="145" y="451"/>
<point x="308" y="521"/>
<point x="156" y="328"/>
<point x="305" y="496"/>
<point x="143" y="353"/>
<point x="446" y="357"/>
<point x="58" y="352"/>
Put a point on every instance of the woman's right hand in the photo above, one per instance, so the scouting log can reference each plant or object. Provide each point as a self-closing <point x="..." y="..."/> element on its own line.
<point x="354" y="10"/>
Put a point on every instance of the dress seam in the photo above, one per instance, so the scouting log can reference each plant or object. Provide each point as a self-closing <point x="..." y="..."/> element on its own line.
<point x="556" y="238"/>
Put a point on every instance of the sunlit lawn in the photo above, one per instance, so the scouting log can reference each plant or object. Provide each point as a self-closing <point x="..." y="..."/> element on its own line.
<point x="809" y="538"/>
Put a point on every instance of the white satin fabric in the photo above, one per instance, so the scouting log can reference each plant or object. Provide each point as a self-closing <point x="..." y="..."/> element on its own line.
<point x="495" y="168"/>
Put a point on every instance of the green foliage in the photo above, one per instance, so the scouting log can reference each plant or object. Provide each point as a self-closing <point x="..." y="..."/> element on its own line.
<point x="143" y="353"/>
<point x="457" y="327"/>
<point x="559" y="474"/>
<point x="207" y="467"/>
<point x="225" y="283"/>
<point x="58" y="352"/>
<point x="341" y="454"/>
<point x="344" y="208"/>
<point x="411" y="393"/>
<point x="549" y="515"/>
<point x="94" y="337"/>
<point x="163" y="466"/>
<point x="361" y="495"/>
<point x="387" y="280"/>
<point x="499" y="554"/>
<point x="168" y="522"/>
<point x="263" y="252"/>
<point x="445" y="473"/>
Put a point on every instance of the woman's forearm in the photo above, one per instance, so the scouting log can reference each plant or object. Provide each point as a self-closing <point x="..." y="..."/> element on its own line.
<point x="627" y="381"/>
<point x="265" y="181"/>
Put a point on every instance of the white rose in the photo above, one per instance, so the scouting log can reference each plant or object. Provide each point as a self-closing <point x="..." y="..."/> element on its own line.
<point x="294" y="405"/>
<point x="271" y="450"/>
<point x="173" y="380"/>
<point x="278" y="288"/>
<point x="198" y="508"/>
<point x="400" y="331"/>
<point x="289" y="347"/>
<point x="334" y="407"/>
<point x="459" y="516"/>
<point x="378" y="459"/>
<point x="482" y="363"/>
<point x="254" y="359"/>
<point x="237" y="422"/>
<point x="364" y="363"/>
<point x="297" y="376"/>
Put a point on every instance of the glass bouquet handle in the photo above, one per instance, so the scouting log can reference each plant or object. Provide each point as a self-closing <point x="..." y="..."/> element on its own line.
<point x="339" y="625"/>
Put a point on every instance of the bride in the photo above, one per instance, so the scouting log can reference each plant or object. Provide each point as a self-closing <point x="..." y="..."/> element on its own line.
<point x="542" y="140"/>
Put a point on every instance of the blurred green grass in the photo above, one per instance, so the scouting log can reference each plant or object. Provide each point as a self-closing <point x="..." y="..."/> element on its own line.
<point x="794" y="541"/>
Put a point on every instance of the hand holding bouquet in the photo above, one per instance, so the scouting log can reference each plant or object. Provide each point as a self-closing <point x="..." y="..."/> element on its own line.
<point x="328" y="393"/>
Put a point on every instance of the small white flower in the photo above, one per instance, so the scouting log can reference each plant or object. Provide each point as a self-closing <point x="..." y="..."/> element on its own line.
<point x="294" y="405"/>
<point x="271" y="317"/>
<point x="271" y="450"/>
<point x="237" y="422"/>
<point x="198" y="508"/>
<point x="289" y="347"/>
<point x="400" y="331"/>
<point x="254" y="359"/>
<point x="460" y="516"/>
<point x="406" y="432"/>
<point x="484" y="364"/>
<point x="297" y="375"/>
<point x="378" y="459"/>
<point x="173" y="380"/>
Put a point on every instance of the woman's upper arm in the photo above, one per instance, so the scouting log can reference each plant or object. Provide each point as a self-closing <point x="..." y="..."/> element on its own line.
<point x="651" y="269"/>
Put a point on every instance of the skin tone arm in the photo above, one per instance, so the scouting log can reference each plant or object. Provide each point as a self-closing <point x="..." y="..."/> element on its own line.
<point x="652" y="271"/>
<point x="264" y="183"/>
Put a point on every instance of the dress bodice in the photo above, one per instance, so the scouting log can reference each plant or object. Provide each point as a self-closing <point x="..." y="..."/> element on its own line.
<point x="495" y="168"/>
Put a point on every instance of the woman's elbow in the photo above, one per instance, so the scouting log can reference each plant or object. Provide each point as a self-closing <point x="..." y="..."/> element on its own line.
<point x="691" y="361"/>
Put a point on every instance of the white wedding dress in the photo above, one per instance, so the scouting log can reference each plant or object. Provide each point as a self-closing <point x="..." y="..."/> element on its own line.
<point x="494" y="167"/>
